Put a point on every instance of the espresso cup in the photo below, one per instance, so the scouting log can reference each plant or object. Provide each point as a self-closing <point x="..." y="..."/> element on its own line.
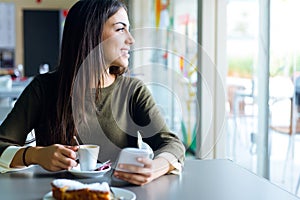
<point x="88" y="156"/>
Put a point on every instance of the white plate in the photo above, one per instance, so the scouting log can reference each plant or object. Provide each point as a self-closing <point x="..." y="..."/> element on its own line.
<point x="119" y="192"/>
<point x="88" y="174"/>
<point x="126" y="194"/>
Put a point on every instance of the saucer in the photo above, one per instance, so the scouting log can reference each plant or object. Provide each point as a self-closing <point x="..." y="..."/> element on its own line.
<point x="88" y="174"/>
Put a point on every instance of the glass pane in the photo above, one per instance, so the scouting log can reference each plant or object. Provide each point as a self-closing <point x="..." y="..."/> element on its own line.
<point x="242" y="83"/>
<point x="242" y="46"/>
<point x="284" y="110"/>
<point x="164" y="61"/>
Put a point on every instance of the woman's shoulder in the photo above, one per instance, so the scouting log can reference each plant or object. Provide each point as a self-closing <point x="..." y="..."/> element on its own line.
<point x="133" y="81"/>
<point x="44" y="82"/>
<point x="47" y="79"/>
<point x="133" y="84"/>
<point x="49" y="76"/>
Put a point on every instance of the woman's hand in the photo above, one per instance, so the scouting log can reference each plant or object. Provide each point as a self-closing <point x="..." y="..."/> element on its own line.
<point x="141" y="175"/>
<point x="53" y="158"/>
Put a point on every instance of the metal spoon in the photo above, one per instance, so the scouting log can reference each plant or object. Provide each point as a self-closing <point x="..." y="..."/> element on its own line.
<point x="106" y="163"/>
<point x="114" y="196"/>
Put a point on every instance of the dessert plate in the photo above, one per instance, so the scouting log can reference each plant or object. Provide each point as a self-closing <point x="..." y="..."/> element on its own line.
<point x="119" y="194"/>
<point x="88" y="174"/>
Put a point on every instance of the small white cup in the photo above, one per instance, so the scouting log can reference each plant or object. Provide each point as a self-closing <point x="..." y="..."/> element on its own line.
<point x="88" y="156"/>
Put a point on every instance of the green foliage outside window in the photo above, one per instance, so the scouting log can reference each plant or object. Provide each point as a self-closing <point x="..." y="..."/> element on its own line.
<point x="242" y="67"/>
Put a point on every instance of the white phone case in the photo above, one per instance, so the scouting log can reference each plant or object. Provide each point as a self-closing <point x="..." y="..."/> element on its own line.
<point x="130" y="155"/>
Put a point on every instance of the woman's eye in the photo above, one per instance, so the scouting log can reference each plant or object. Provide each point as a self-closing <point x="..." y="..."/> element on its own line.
<point x="120" y="29"/>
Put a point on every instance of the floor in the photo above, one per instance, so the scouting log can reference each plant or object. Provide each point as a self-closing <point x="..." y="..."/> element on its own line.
<point x="245" y="153"/>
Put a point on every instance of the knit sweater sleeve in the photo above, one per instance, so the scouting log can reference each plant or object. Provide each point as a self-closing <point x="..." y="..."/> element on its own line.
<point x="22" y="118"/>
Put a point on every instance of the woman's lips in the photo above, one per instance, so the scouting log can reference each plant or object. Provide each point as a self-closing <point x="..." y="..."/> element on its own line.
<point x="125" y="53"/>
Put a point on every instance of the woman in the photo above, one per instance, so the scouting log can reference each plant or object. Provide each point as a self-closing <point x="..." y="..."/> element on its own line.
<point x="88" y="86"/>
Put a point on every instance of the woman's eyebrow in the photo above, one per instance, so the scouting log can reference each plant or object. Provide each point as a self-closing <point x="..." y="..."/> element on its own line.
<point x="120" y="23"/>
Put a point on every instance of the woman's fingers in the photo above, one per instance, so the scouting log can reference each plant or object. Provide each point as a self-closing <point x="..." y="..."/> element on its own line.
<point x="145" y="169"/>
<point x="137" y="179"/>
<point x="66" y="158"/>
<point x="69" y="153"/>
<point x="58" y="157"/>
<point x="150" y="170"/>
<point x="66" y="164"/>
<point x="135" y="169"/>
<point x="137" y="175"/>
<point x="74" y="148"/>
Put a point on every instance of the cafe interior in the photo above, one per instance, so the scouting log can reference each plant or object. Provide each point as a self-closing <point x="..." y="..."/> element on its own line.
<point x="225" y="74"/>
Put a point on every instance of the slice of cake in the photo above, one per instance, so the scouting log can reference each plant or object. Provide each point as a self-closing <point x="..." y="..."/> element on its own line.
<point x="65" y="189"/>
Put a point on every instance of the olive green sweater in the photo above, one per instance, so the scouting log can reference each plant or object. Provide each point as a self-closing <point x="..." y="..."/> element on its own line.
<point x="124" y="107"/>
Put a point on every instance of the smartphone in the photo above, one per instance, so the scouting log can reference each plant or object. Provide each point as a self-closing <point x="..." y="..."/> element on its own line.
<point x="129" y="156"/>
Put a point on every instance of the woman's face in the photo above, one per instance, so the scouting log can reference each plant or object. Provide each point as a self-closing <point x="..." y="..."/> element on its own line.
<point x="116" y="39"/>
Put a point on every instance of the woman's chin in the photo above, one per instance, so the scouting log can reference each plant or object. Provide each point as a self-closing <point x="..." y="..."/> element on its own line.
<point x="123" y="64"/>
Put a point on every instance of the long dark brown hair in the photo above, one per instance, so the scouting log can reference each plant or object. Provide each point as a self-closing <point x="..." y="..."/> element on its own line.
<point x="82" y="33"/>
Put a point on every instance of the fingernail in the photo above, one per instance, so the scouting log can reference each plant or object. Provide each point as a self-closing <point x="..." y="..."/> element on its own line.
<point x="121" y="166"/>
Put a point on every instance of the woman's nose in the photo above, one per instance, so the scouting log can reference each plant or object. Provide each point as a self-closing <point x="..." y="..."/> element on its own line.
<point x="130" y="40"/>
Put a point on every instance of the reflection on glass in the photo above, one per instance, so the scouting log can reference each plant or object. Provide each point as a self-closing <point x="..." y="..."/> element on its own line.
<point x="169" y="16"/>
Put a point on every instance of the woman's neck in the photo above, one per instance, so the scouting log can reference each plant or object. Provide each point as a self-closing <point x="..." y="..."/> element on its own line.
<point x="108" y="80"/>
